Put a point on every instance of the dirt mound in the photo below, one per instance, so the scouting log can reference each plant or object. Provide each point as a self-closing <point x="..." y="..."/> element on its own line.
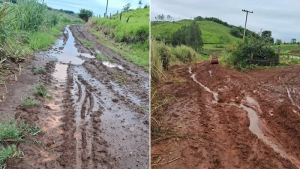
<point x="226" y="119"/>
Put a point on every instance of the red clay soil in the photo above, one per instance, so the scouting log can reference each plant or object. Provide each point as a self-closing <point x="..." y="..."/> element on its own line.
<point x="253" y="121"/>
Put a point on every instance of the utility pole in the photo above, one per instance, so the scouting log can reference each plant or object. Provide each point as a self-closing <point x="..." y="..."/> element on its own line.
<point x="245" y="22"/>
<point x="106" y="9"/>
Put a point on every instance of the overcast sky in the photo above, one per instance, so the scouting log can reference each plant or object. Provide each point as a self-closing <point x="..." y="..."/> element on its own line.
<point x="282" y="17"/>
<point x="97" y="6"/>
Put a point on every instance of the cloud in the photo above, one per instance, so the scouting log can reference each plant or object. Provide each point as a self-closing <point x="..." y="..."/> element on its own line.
<point x="276" y="15"/>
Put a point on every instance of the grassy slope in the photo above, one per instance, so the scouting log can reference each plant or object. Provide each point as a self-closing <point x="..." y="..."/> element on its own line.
<point x="137" y="52"/>
<point x="211" y="31"/>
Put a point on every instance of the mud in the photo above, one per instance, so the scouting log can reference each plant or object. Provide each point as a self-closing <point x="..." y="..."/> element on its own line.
<point x="229" y="119"/>
<point x="98" y="114"/>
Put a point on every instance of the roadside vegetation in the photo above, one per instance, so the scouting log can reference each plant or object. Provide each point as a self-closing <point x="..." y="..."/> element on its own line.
<point x="11" y="134"/>
<point x="129" y="30"/>
<point x="28" y="26"/>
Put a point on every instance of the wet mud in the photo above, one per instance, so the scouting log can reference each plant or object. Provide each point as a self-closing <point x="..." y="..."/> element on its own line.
<point x="98" y="114"/>
<point x="229" y="119"/>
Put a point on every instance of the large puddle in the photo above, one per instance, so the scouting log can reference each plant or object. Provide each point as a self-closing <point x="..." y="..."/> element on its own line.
<point x="255" y="128"/>
<point x="68" y="51"/>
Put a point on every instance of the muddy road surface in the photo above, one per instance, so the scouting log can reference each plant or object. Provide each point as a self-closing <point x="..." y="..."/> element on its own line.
<point x="222" y="118"/>
<point x="98" y="116"/>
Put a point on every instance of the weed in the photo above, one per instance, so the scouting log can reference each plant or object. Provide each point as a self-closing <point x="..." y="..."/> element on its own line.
<point x="32" y="130"/>
<point x="39" y="70"/>
<point x="10" y="132"/>
<point x="104" y="58"/>
<point x="30" y="102"/>
<point x="88" y="43"/>
<point x="121" y="79"/>
<point x="42" y="90"/>
<point x="9" y="152"/>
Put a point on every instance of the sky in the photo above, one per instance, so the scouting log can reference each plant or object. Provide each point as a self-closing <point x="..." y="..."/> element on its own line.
<point x="97" y="6"/>
<point x="279" y="16"/>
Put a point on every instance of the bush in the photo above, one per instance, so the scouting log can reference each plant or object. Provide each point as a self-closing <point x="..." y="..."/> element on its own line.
<point x="246" y="53"/>
<point x="85" y="14"/>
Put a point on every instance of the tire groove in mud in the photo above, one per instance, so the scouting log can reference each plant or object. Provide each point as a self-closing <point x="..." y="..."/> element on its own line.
<point x="225" y="139"/>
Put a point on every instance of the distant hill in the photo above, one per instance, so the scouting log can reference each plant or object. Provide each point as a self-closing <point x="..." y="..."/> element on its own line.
<point x="212" y="32"/>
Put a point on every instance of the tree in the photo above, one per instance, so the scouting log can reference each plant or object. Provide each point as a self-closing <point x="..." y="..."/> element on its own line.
<point x="267" y="37"/>
<point x="194" y="39"/>
<point x="140" y="3"/>
<point x="85" y="14"/>
<point x="278" y="42"/>
<point x="293" y="41"/>
<point x="188" y="35"/>
<point x="126" y="7"/>
<point x="198" y="18"/>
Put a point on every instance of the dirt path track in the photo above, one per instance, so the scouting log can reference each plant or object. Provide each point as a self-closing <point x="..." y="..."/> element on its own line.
<point x="98" y="116"/>
<point x="231" y="119"/>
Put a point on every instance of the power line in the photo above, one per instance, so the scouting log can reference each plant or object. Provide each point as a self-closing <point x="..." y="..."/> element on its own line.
<point x="246" y="22"/>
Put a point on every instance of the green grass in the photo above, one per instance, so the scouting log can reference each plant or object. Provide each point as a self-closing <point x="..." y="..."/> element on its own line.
<point x="104" y="58"/>
<point x="30" y="102"/>
<point x="131" y="39"/>
<point x="32" y="130"/>
<point x="10" y="131"/>
<point x="88" y="43"/>
<point x="9" y="152"/>
<point x="211" y="31"/>
<point x="42" y="90"/>
<point x="39" y="70"/>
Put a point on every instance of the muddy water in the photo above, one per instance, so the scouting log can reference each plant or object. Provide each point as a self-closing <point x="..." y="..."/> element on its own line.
<point x="116" y="118"/>
<point x="255" y="128"/>
<point x="105" y="124"/>
<point x="215" y="94"/>
<point x="290" y="97"/>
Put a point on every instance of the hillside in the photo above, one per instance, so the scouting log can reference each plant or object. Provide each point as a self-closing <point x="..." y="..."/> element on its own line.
<point x="211" y="31"/>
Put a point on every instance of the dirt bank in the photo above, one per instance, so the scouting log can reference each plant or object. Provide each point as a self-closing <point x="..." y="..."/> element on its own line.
<point x="226" y="119"/>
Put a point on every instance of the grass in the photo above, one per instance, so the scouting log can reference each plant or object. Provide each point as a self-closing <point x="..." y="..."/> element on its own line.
<point x="39" y="70"/>
<point x="104" y="58"/>
<point x="10" y="131"/>
<point x="32" y="130"/>
<point x="28" y="26"/>
<point x="130" y="40"/>
<point x="211" y="31"/>
<point x="162" y="54"/>
<point x="9" y="152"/>
<point x="10" y="135"/>
<point x="42" y="90"/>
<point x="121" y="79"/>
<point x="30" y="102"/>
<point x="88" y="43"/>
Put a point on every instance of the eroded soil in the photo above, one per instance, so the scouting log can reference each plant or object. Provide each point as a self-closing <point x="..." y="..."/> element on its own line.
<point x="98" y="114"/>
<point x="222" y="118"/>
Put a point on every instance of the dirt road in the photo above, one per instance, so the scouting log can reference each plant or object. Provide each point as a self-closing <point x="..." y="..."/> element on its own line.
<point x="226" y="119"/>
<point x="98" y="114"/>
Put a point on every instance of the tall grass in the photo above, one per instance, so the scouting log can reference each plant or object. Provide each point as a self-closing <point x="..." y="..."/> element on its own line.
<point x="28" y="26"/>
<point x="163" y="56"/>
